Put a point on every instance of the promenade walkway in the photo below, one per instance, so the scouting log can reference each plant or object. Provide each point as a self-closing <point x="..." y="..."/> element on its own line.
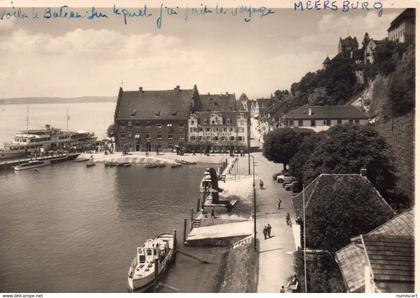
<point x="276" y="253"/>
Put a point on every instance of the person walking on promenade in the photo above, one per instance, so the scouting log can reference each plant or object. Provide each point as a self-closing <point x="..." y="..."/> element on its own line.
<point x="288" y="221"/>
<point x="278" y="204"/>
<point x="261" y="184"/>
<point x="212" y="213"/>
<point x="282" y="290"/>
<point x="265" y="232"/>
<point x="269" y="231"/>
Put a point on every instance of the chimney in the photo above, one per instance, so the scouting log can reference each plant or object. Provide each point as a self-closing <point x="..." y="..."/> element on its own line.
<point x="310" y="112"/>
<point x="363" y="172"/>
<point x="141" y="89"/>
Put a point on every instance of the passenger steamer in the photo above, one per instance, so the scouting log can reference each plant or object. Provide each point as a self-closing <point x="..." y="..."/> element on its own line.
<point x="38" y="141"/>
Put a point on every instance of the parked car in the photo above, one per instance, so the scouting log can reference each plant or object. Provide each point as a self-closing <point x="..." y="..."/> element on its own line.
<point x="292" y="186"/>
<point x="284" y="179"/>
<point x="284" y="173"/>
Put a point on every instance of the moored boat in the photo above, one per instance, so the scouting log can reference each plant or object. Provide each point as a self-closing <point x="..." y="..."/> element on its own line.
<point x="176" y="165"/>
<point x="90" y="163"/>
<point x="141" y="273"/>
<point x="31" y="165"/>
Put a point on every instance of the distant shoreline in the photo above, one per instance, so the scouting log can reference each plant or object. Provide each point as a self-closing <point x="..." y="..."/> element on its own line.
<point x="57" y="100"/>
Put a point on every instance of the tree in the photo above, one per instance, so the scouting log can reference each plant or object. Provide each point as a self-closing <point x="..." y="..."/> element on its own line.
<point x="346" y="149"/>
<point x="298" y="161"/>
<point x="281" y="144"/>
<point x="323" y="273"/>
<point x="110" y="131"/>
<point x="346" y="210"/>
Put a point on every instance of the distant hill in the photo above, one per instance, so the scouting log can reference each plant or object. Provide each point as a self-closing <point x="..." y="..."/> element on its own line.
<point x="44" y="100"/>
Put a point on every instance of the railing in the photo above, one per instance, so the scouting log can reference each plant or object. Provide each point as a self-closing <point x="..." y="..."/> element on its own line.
<point x="243" y="241"/>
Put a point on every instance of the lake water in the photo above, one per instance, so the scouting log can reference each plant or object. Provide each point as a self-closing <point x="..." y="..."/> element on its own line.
<point x="93" y="117"/>
<point x="68" y="228"/>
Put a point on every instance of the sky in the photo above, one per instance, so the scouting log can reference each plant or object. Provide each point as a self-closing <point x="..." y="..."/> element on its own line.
<point x="218" y="53"/>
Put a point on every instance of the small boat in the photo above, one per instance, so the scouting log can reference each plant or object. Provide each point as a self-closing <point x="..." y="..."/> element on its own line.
<point x="81" y="159"/>
<point x="126" y="164"/>
<point x="151" y="165"/>
<point x="177" y="165"/>
<point x="141" y="273"/>
<point x="90" y="163"/>
<point x="161" y="165"/>
<point x="184" y="162"/>
<point x="31" y="165"/>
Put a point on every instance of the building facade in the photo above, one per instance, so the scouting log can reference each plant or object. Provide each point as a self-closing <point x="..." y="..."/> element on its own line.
<point x="320" y="118"/>
<point x="165" y="119"/>
<point x="403" y="28"/>
<point x="221" y="123"/>
<point x="153" y="120"/>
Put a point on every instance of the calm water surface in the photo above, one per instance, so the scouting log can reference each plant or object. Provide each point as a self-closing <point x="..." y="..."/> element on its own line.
<point x="68" y="228"/>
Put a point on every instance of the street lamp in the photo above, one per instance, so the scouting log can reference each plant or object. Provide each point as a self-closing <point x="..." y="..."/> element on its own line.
<point x="255" y="202"/>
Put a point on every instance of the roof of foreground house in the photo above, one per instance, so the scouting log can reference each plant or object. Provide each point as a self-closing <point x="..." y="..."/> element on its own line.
<point x="389" y="249"/>
<point x="217" y="102"/>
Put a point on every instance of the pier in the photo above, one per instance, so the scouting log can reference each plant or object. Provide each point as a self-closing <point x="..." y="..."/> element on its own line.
<point x="10" y="164"/>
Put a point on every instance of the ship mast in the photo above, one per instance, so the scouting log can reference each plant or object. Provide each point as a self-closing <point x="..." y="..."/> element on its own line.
<point x="67" y="119"/>
<point x="27" y="119"/>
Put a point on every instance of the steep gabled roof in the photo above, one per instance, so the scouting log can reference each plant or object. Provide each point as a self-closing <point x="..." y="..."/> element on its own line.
<point x="351" y="258"/>
<point x="218" y="102"/>
<point x="390" y="257"/>
<point x="161" y="104"/>
<point x="327" y="112"/>
<point x="325" y="182"/>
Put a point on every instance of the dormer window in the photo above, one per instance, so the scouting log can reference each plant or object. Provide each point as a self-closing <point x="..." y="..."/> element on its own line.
<point x="228" y="121"/>
<point x="157" y="113"/>
<point x="133" y="113"/>
<point x="174" y="113"/>
<point x="204" y="121"/>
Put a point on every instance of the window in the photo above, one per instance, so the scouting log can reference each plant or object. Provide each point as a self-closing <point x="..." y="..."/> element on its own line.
<point x="350" y="121"/>
<point x="122" y="135"/>
<point x="232" y="138"/>
<point x="224" y="129"/>
<point x="159" y="125"/>
<point x="192" y="129"/>
<point x="228" y="121"/>
<point x="312" y="123"/>
<point x="230" y="129"/>
<point x="212" y="122"/>
<point x="130" y="123"/>
<point x="241" y="129"/>
<point x="122" y="123"/>
<point x="300" y="122"/>
<point x="159" y="136"/>
<point x="192" y="138"/>
<point x="192" y="122"/>
<point x="147" y="135"/>
<point x="200" y="129"/>
<point x="357" y="121"/>
<point x="199" y="138"/>
<point x="207" y="129"/>
<point x="239" y="138"/>
<point x="204" y="121"/>
<point x="170" y="137"/>
<point x="339" y="121"/>
<point x="148" y="124"/>
<point x="216" y="138"/>
<point x="137" y="124"/>
<point x="181" y="124"/>
<point x="328" y="122"/>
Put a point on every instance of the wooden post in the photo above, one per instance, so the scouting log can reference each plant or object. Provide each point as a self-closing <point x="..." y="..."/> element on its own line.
<point x="198" y="204"/>
<point x="185" y="229"/>
<point x="156" y="280"/>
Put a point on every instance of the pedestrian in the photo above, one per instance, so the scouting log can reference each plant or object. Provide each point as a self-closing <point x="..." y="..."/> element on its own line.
<point x="282" y="290"/>
<point x="279" y="204"/>
<point x="265" y="232"/>
<point x="261" y="184"/>
<point x="269" y="231"/>
<point x="212" y="213"/>
<point x="288" y="221"/>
